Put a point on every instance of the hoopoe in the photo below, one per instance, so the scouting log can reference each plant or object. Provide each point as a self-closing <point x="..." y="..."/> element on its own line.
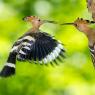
<point x="83" y="26"/>
<point x="35" y="45"/>
<point x="91" y="7"/>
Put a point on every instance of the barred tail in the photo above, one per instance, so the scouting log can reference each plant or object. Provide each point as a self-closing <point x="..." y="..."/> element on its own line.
<point x="9" y="68"/>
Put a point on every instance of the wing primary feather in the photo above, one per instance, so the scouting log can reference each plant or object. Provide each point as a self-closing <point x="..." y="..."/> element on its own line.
<point x="62" y="53"/>
<point x="55" y="61"/>
<point x="31" y="56"/>
<point x="92" y="51"/>
<point x="48" y="48"/>
<point x="45" y="50"/>
<point x="59" y="59"/>
<point x="52" y="64"/>
<point x="36" y="52"/>
<point x="40" y="55"/>
<point x="44" y="53"/>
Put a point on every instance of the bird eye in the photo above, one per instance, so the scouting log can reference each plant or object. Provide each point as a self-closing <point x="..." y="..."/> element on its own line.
<point x="39" y="20"/>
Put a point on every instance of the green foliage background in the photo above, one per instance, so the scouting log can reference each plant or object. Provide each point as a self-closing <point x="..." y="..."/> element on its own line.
<point x="76" y="76"/>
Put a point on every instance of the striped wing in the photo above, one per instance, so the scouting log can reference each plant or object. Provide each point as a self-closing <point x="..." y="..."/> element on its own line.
<point x="44" y="49"/>
<point x="91" y="7"/>
<point x="92" y="51"/>
<point x="39" y="47"/>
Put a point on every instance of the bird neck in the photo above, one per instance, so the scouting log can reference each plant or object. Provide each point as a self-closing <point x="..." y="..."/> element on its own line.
<point x="90" y="33"/>
<point x="87" y="31"/>
<point x="35" y="29"/>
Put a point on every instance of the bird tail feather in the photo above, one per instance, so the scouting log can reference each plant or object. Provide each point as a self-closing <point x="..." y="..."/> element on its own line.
<point x="9" y="68"/>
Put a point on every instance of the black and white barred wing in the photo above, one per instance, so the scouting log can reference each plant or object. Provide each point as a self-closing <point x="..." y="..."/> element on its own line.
<point x="20" y="50"/>
<point x="92" y="51"/>
<point x="40" y="48"/>
<point x="45" y="49"/>
<point x="91" y="7"/>
<point x="37" y="47"/>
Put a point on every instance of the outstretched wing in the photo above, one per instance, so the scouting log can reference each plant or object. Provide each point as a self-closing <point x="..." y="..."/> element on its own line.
<point x="46" y="49"/>
<point x="42" y="48"/>
<point x="91" y="7"/>
<point x="92" y="51"/>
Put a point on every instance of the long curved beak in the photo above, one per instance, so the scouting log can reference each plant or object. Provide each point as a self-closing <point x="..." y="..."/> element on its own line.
<point x="48" y="21"/>
<point x="67" y="24"/>
<point x="54" y="22"/>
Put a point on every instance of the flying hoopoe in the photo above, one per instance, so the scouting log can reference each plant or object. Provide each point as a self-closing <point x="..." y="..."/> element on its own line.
<point x="91" y="7"/>
<point x="83" y="26"/>
<point x="35" y="45"/>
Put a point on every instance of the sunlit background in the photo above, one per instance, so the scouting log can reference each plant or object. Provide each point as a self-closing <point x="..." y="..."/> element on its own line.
<point x="75" y="76"/>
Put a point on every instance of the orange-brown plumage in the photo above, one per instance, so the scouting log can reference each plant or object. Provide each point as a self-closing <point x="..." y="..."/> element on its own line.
<point x="84" y="26"/>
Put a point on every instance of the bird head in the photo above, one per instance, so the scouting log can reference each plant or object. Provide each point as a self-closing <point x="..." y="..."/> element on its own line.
<point x="36" y="21"/>
<point x="81" y="24"/>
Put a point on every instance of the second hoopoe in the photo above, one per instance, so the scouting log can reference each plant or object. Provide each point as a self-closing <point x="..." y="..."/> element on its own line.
<point x="35" y="45"/>
<point x="83" y="26"/>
